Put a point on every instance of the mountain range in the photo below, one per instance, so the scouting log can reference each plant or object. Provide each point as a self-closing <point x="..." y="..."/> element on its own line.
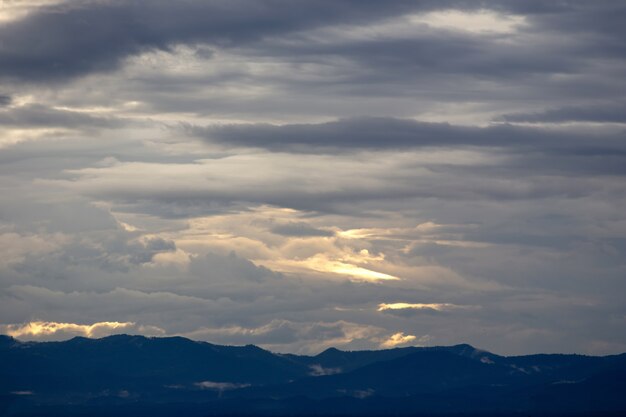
<point x="135" y="375"/>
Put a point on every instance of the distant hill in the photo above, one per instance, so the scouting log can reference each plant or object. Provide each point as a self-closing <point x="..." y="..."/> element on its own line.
<point x="135" y="375"/>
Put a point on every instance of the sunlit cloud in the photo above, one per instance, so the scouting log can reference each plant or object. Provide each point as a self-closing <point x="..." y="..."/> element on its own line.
<point x="424" y="233"/>
<point x="352" y="271"/>
<point x="347" y="254"/>
<point x="47" y="330"/>
<point x="16" y="247"/>
<point x="397" y="233"/>
<point x="323" y="263"/>
<point x="419" y="306"/>
<point x="483" y="21"/>
<point x="127" y="227"/>
<point x="360" y="273"/>
<point x="397" y="339"/>
<point x="17" y="9"/>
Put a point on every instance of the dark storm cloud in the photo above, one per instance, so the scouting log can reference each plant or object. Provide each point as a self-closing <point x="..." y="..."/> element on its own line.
<point x="76" y="38"/>
<point x="428" y="55"/>
<point x="545" y="54"/>
<point x="5" y="100"/>
<point x="604" y="18"/>
<point x="391" y="133"/>
<point x="599" y="113"/>
<point x="364" y="133"/>
<point x="80" y="37"/>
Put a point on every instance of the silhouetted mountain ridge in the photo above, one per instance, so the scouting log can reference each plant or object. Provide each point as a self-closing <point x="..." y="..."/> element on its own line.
<point x="120" y="373"/>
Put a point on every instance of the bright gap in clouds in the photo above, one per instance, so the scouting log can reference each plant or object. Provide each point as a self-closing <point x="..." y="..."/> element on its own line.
<point x="417" y="306"/>
<point x="16" y="9"/>
<point x="483" y="21"/>
<point x="324" y="263"/>
<point x="358" y="273"/>
<point x="44" y="330"/>
<point x="397" y="339"/>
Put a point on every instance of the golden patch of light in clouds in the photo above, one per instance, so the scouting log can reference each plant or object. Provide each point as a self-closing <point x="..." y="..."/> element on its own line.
<point x="354" y="254"/>
<point x="418" y="306"/>
<point x="249" y="235"/>
<point x="325" y="264"/>
<point x="356" y="272"/>
<point x="348" y="266"/>
<point x="15" y="135"/>
<point x="427" y="232"/>
<point x="397" y="339"/>
<point x="45" y="329"/>
<point x="366" y="255"/>
<point x="378" y="233"/>
<point x="178" y="258"/>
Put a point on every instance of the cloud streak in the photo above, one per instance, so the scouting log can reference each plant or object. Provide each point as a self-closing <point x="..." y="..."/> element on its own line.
<point x="390" y="133"/>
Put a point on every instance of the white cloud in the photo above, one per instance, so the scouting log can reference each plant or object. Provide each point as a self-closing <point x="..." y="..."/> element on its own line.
<point x="319" y="370"/>
<point x="220" y="386"/>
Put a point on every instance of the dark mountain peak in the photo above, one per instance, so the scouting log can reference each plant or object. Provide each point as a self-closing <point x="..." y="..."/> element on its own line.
<point x="247" y="351"/>
<point x="463" y="349"/>
<point x="463" y="346"/>
<point x="7" y="341"/>
<point x="331" y="351"/>
<point x="176" y="340"/>
<point x="408" y="381"/>
<point x="470" y="351"/>
<point x="79" y="340"/>
<point x="253" y="348"/>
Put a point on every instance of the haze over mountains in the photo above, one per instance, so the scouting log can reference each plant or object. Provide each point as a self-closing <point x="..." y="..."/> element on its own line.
<point x="135" y="375"/>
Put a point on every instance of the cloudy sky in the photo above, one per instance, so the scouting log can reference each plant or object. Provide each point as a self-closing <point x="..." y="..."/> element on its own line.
<point x="305" y="174"/>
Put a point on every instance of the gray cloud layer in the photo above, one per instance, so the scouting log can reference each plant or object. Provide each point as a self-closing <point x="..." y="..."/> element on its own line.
<point x="381" y="133"/>
<point x="273" y="172"/>
<point x="599" y="113"/>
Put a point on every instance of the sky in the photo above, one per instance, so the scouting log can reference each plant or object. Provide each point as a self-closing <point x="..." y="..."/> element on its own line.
<point x="305" y="174"/>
